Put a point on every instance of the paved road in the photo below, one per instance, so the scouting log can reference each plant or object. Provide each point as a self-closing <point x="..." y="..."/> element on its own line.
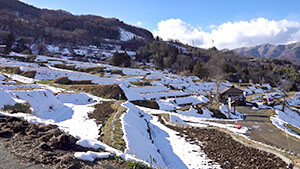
<point x="264" y="131"/>
<point x="7" y="161"/>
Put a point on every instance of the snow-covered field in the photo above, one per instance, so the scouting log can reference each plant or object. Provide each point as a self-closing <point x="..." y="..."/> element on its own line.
<point x="147" y="140"/>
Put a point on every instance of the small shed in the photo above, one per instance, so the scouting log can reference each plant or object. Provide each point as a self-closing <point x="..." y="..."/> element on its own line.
<point x="2" y="48"/>
<point x="236" y="95"/>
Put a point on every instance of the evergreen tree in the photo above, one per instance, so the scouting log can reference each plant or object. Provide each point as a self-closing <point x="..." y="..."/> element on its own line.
<point x="198" y="69"/>
<point x="121" y="59"/>
<point x="9" y="42"/>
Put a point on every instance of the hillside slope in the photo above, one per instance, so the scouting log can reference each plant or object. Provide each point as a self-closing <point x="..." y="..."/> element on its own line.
<point x="56" y="26"/>
<point x="289" y="51"/>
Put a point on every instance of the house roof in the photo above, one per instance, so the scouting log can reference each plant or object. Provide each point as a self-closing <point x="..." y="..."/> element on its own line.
<point x="232" y="89"/>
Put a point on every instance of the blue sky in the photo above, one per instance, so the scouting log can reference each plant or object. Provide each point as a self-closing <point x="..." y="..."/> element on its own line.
<point x="196" y="15"/>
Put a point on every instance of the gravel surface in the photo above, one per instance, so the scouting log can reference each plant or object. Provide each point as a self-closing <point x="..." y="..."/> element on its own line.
<point x="8" y="161"/>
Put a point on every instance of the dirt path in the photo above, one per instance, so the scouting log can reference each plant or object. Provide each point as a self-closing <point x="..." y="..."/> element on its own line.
<point x="262" y="130"/>
<point x="9" y="161"/>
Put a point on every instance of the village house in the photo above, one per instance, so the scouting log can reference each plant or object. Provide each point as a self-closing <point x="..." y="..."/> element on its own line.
<point x="2" y="48"/>
<point x="236" y="95"/>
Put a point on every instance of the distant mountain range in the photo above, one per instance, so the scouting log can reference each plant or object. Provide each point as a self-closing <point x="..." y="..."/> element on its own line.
<point x="29" y="23"/>
<point x="288" y="51"/>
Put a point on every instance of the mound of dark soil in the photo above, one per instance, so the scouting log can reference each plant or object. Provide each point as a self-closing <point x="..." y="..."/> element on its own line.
<point x="102" y="112"/>
<point x="146" y="103"/>
<point x="62" y="80"/>
<point x="45" y="144"/>
<point x="29" y="73"/>
<point x="107" y="91"/>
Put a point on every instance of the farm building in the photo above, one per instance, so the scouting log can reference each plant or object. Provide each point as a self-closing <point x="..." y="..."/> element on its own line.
<point x="236" y="95"/>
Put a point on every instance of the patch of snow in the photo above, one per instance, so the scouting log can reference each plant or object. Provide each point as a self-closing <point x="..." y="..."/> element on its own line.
<point x="176" y="119"/>
<point x="45" y="104"/>
<point x="52" y="49"/>
<point x="224" y="110"/>
<point x="176" y="152"/>
<point x="293" y="101"/>
<point x="136" y="124"/>
<point x="6" y="99"/>
<point x="2" y="77"/>
<point x="75" y="98"/>
<point x="166" y="105"/>
<point x="20" y="78"/>
<point x="126" y="35"/>
<point x="91" y="156"/>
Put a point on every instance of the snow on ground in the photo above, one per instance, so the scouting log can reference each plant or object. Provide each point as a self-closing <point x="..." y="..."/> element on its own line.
<point x="148" y="89"/>
<point x="204" y="122"/>
<point x="178" y="120"/>
<point x="53" y="49"/>
<point x="126" y="35"/>
<point x="194" y="113"/>
<point x="5" y="98"/>
<point x="10" y="87"/>
<point x="129" y="94"/>
<point x="197" y="120"/>
<point x="2" y="77"/>
<point x="166" y="105"/>
<point x="91" y="156"/>
<point x="75" y="98"/>
<point x="248" y="91"/>
<point x="281" y="119"/>
<point x="190" y="100"/>
<point x="196" y="87"/>
<point x="167" y="150"/>
<point x="160" y="95"/>
<point x="132" y="79"/>
<point x="289" y="116"/>
<point x="225" y="110"/>
<point x="293" y="101"/>
<point x="282" y="126"/>
<point x="20" y="78"/>
<point x="45" y="105"/>
<point x="176" y="152"/>
<point x="136" y="124"/>
<point x="256" y="90"/>
<point x="80" y="125"/>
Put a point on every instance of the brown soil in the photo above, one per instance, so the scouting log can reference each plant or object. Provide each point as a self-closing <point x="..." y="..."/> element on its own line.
<point x="62" y="80"/>
<point x="45" y="144"/>
<point x="29" y="73"/>
<point x="10" y="69"/>
<point x="102" y="112"/>
<point x="221" y="148"/>
<point x="106" y="91"/>
<point x="146" y="103"/>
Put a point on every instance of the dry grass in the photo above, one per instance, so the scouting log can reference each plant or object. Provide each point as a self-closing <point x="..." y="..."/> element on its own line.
<point x="112" y="133"/>
<point x="294" y="129"/>
<point x="65" y="66"/>
<point x="10" y="69"/>
<point x="24" y="89"/>
<point x="18" y="107"/>
<point x="141" y="83"/>
<point x="105" y="91"/>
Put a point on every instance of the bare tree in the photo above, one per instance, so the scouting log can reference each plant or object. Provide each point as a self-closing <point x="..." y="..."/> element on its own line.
<point x="285" y="83"/>
<point x="214" y="67"/>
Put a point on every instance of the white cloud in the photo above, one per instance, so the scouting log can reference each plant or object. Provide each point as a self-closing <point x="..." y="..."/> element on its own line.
<point x="231" y="34"/>
<point x="139" y="23"/>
